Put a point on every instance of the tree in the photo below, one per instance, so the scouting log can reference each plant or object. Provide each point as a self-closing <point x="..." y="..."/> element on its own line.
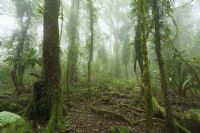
<point x="51" y="64"/>
<point x="146" y="75"/>
<point x="72" y="76"/>
<point x="115" y="18"/>
<point x="126" y="55"/>
<point x="23" y="15"/>
<point x="91" y="43"/>
<point x="137" y="49"/>
<point x="169" y="117"/>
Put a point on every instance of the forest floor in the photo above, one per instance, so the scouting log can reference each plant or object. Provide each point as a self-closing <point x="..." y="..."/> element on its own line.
<point x="109" y="109"/>
<point x="122" y="108"/>
<point x="86" y="120"/>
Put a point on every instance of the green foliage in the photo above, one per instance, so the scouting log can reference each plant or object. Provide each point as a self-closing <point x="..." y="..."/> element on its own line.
<point x="5" y="79"/>
<point x="119" y="129"/>
<point x="28" y="59"/>
<point x="156" y="106"/>
<point x="180" y="76"/>
<point x="191" y="120"/>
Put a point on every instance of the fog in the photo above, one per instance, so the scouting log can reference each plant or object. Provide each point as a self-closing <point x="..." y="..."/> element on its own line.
<point x="137" y="61"/>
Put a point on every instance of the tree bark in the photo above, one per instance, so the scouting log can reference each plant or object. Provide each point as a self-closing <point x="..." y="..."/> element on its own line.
<point x="126" y="67"/>
<point x="51" y="62"/>
<point x="169" y="117"/>
<point x="137" y="49"/>
<point x="91" y="45"/>
<point x="18" y="69"/>
<point x="72" y="76"/>
<point x="146" y="75"/>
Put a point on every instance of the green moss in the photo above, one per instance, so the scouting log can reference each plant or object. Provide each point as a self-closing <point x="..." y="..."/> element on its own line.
<point x="156" y="106"/>
<point x="119" y="129"/>
<point x="12" y="123"/>
<point x="55" y="123"/>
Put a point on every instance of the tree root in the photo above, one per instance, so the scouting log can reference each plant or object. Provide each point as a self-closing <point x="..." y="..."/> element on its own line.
<point x="130" y="107"/>
<point x="139" y="121"/>
<point x="143" y="120"/>
<point x="110" y="114"/>
<point x="103" y="99"/>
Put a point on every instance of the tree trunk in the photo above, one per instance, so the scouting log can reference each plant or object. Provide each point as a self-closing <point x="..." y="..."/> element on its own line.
<point x="146" y="75"/>
<point x="16" y="80"/>
<point x="126" y="69"/>
<point x="117" y="68"/>
<point x="51" y="63"/>
<point x="169" y="117"/>
<point x="18" y="70"/>
<point x="72" y="76"/>
<point x="91" y="45"/>
<point x="137" y="48"/>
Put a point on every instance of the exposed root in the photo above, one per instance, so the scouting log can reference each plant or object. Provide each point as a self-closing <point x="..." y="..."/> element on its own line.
<point x="110" y="114"/>
<point x="143" y="120"/>
<point x="181" y="128"/>
<point x="103" y="99"/>
<point x="131" y="107"/>
<point x="139" y="121"/>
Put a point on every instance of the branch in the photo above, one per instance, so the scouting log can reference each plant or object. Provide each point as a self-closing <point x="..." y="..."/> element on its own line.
<point x="183" y="5"/>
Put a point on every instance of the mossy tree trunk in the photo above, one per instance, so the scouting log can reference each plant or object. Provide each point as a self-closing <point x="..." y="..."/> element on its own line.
<point x="51" y="64"/>
<point x="137" y="48"/>
<point x="146" y="75"/>
<point x="72" y="76"/>
<point x="169" y="117"/>
<point x="91" y="44"/>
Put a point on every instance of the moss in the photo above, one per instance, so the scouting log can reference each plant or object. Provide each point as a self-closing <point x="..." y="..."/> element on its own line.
<point x="119" y="129"/>
<point x="55" y="123"/>
<point x="24" y="99"/>
<point x="13" y="107"/>
<point x="158" y="110"/>
<point x="39" y="106"/>
<point x="12" y="123"/>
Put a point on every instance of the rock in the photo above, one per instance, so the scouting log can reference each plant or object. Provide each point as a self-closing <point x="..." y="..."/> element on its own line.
<point x="12" y="123"/>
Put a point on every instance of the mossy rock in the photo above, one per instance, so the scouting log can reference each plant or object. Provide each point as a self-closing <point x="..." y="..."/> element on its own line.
<point x="191" y="120"/>
<point x="119" y="129"/>
<point x="12" y="123"/>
